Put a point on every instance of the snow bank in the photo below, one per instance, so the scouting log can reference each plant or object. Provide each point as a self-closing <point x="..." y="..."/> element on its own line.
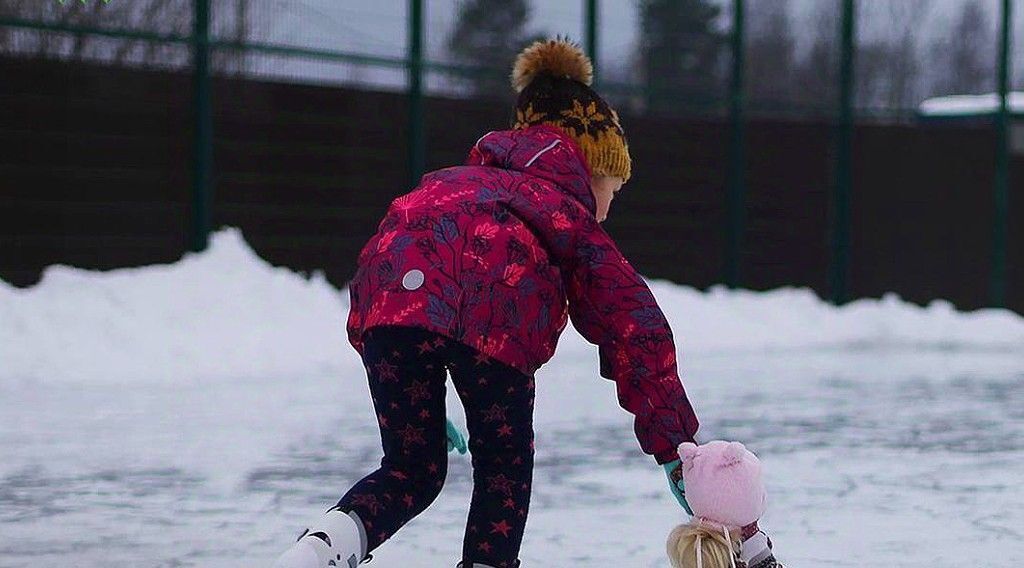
<point x="960" y="105"/>
<point x="226" y="313"/>
<point x="723" y="321"/>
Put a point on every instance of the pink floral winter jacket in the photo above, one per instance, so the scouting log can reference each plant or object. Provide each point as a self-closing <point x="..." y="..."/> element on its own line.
<point x="495" y="253"/>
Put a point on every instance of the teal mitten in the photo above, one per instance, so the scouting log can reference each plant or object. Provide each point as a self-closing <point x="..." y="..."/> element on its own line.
<point x="456" y="441"/>
<point x="674" y="471"/>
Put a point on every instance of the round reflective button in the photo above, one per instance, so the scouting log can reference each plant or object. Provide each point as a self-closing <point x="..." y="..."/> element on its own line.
<point x="413" y="280"/>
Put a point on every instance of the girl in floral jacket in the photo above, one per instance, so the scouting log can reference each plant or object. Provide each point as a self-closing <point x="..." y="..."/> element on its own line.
<point x="476" y="272"/>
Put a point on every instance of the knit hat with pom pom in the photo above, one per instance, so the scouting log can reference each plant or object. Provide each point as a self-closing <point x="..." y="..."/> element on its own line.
<point x="553" y="80"/>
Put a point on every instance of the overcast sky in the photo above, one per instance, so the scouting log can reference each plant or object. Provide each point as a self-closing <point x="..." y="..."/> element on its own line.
<point x="379" y="27"/>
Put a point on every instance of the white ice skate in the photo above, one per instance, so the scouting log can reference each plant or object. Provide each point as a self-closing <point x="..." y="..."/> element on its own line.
<point x="335" y="539"/>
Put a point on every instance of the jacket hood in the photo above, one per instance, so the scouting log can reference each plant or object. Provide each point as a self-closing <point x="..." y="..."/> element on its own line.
<point x="541" y="151"/>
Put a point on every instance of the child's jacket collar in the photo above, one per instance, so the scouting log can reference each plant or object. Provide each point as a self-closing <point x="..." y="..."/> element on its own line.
<point x="542" y="151"/>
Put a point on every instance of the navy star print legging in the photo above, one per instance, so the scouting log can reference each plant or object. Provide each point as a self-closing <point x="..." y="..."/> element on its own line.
<point x="406" y="369"/>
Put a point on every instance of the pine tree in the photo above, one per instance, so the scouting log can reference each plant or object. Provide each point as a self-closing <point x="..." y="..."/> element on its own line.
<point x="771" y="56"/>
<point x="817" y="73"/>
<point x="969" y="54"/>
<point x="680" y="52"/>
<point x="489" y="34"/>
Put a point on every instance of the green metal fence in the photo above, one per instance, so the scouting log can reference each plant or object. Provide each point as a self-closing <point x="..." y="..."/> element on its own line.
<point x="733" y="101"/>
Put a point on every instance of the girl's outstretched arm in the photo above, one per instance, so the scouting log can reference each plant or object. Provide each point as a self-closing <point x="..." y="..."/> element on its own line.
<point x="612" y="307"/>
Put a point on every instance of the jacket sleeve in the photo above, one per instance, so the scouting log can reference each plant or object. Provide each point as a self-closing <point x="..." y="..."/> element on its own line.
<point x="613" y="308"/>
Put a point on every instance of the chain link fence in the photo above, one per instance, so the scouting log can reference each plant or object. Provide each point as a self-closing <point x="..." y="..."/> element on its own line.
<point x="837" y="61"/>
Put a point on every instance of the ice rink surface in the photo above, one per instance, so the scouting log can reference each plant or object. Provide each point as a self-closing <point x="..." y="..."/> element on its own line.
<point x="198" y="414"/>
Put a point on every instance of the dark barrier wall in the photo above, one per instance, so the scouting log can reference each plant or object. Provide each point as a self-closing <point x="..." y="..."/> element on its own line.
<point x="95" y="172"/>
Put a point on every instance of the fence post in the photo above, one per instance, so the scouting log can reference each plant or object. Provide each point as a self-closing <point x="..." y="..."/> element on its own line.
<point x="590" y="31"/>
<point x="1002" y="186"/>
<point x="417" y="138"/>
<point x="202" y="150"/>
<point x="736" y="198"/>
<point x="840" y="265"/>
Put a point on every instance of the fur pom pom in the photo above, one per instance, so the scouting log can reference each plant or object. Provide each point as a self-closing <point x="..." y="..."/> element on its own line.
<point x="557" y="57"/>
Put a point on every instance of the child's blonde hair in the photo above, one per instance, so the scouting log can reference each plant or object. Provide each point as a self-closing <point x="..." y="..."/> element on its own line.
<point x="698" y="545"/>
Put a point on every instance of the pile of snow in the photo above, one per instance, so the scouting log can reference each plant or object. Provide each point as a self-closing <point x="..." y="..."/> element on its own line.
<point x="226" y="313"/>
<point x="723" y="321"/>
<point x="970" y="105"/>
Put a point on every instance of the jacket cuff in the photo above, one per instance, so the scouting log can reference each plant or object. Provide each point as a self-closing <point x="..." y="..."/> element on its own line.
<point x="691" y="426"/>
<point x="667" y="456"/>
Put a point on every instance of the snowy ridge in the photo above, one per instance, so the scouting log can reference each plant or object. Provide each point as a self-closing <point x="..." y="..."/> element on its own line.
<point x="723" y="321"/>
<point x="956" y="105"/>
<point x="226" y="313"/>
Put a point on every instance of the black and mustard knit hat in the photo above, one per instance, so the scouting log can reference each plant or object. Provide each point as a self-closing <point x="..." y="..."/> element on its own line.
<point x="553" y="81"/>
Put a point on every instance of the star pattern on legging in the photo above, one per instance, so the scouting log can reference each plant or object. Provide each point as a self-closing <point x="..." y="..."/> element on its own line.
<point x="496" y="413"/>
<point x="412" y="435"/>
<point x="501" y="528"/>
<point x="370" y="502"/>
<point x="501" y="484"/>
<point x="425" y="347"/>
<point x="418" y="391"/>
<point x="403" y="384"/>
<point x="386" y="372"/>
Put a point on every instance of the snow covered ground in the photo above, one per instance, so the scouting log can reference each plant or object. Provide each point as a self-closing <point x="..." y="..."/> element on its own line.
<point x="197" y="414"/>
<point x="971" y="105"/>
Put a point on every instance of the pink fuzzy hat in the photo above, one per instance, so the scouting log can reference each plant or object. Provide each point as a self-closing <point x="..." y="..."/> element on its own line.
<point x="723" y="483"/>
